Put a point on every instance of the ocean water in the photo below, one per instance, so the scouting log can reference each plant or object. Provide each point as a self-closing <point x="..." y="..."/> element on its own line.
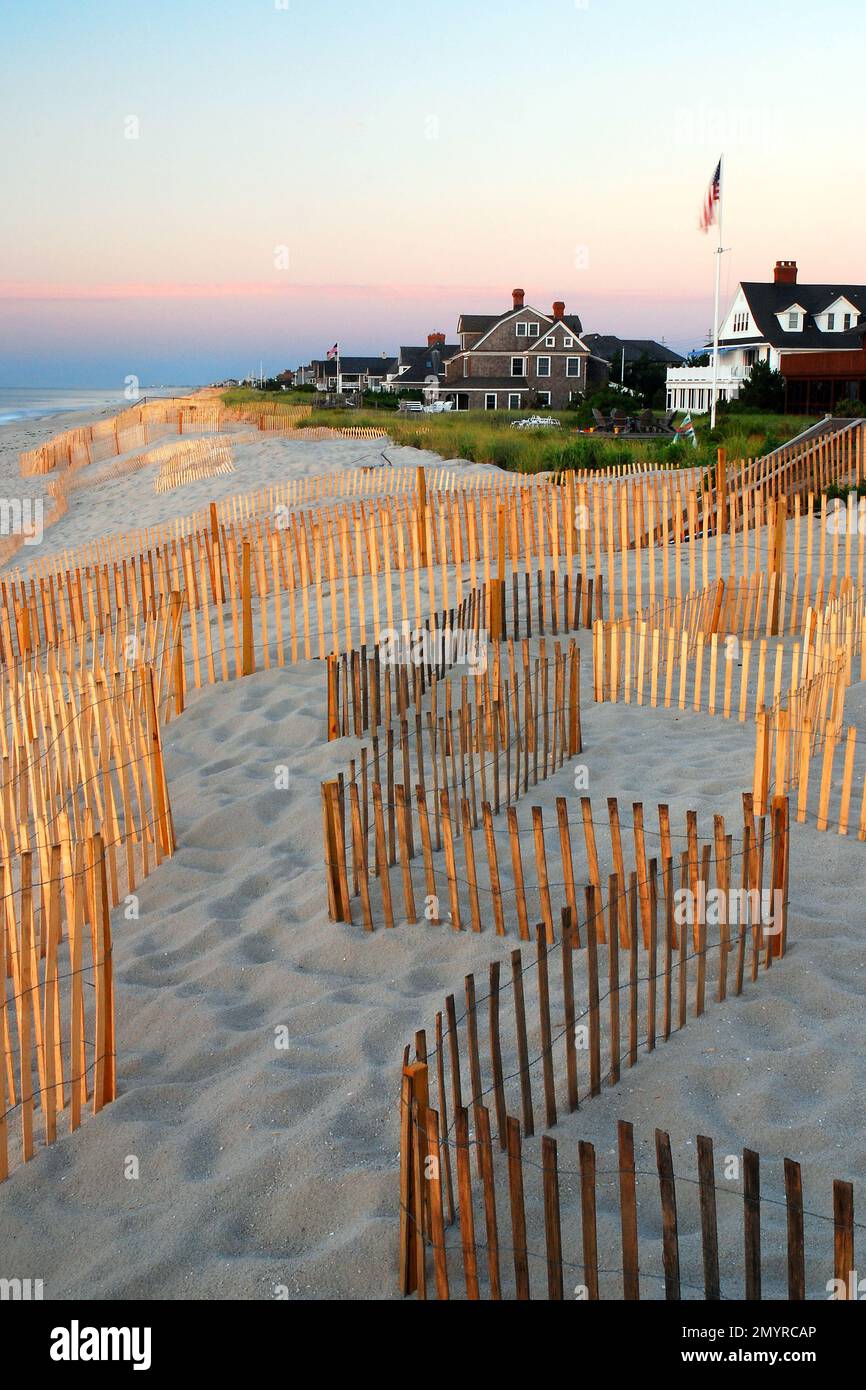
<point x="26" y="403"/>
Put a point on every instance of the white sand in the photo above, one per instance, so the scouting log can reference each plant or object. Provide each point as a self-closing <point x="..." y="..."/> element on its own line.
<point x="262" y="1168"/>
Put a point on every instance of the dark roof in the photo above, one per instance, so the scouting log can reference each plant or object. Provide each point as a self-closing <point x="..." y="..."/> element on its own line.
<point x="609" y="347"/>
<point x="482" y="323"/>
<point x="373" y="366"/>
<point x="766" y="300"/>
<point x="424" y="361"/>
<point x="479" y="323"/>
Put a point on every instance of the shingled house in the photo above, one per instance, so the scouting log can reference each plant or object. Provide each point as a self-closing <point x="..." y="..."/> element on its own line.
<point x="422" y="368"/>
<point x="356" y="373"/>
<point x="520" y="358"/>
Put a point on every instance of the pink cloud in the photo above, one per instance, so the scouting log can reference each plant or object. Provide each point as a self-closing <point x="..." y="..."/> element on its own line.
<point x="239" y="289"/>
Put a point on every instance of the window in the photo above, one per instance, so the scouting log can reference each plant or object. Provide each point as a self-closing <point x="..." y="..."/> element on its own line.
<point x="793" y="320"/>
<point x="522" y="329"/>
<point x="514" y="400"/>
<point x="543" y="368"/>
<point x="532" y="330"/>
<point x="551" y="341"/>
<point x="846" y="322"/>
<point x="544" y="398"/>
<point x="572" y="366"/>
<point x="831" y="322"/>
<point x="568" y="342"/>
<point x="518" y="366"/>
<point x="490" y="400"/>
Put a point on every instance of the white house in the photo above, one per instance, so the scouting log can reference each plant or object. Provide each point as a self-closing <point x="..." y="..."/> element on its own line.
<point x="766" y="320"/>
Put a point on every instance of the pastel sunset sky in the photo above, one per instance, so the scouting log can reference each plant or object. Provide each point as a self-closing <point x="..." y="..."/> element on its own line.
<point x="191" y="186"/>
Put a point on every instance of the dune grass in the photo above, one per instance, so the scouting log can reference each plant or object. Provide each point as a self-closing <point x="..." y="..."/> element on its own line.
<point x="486" y="437"/>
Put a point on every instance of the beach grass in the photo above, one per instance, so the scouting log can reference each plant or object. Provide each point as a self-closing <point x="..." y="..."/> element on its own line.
<point x="488" y="438"/>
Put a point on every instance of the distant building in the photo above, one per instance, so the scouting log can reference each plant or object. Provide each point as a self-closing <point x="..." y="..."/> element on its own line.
<point x="356" y="373"/>
<point x="422" y="368"/>
<point x="523" y="356"/>
<point x="809" y="333"/>
<point x="611" y="349"/>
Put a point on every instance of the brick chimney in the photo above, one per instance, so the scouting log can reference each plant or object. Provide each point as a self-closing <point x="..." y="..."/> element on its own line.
<point x="435" y="339"/>
<point x="785" y="273"/>
<point x="517" y="297"/>
<point x="558" y="309"/>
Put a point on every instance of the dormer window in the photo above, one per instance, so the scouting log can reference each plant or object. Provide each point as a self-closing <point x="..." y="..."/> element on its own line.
<point x="793" y="321"/>
<point x="846" y="322"/>
<point x="831" y="322"/>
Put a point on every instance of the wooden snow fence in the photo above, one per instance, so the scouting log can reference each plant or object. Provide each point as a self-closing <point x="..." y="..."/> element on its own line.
<point x="482" y="754"/>
<point x="549" y="1219"/>
<point x="629" y="970"/>
<point x="717" y="652"/>
<point x="436" y="543"/>
<point x="57" y="1034"/>
<point x="191" y="462"/>
<point x="85" y="816"/>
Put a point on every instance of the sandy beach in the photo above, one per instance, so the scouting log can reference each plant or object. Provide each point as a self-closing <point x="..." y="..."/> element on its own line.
<point x="267" y="1171"/>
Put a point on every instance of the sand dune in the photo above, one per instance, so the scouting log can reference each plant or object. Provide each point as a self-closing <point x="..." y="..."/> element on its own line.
<point x="264" y="1169"/>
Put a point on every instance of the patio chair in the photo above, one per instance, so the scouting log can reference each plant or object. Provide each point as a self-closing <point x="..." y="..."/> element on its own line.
<point x="599" y="419"/>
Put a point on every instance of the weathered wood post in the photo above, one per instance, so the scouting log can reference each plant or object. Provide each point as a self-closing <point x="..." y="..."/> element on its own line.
<point x="249" y="660"/>
<point x="413" y="1124"/>
<point x="722" y="490"/>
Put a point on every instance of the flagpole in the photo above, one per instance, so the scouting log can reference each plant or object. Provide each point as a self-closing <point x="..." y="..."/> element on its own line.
<point x="339" y="373"/>
<point x="714" y="391"/>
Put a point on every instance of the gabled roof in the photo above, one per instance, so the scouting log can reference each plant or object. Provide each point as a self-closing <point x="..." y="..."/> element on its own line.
<point x="767" y="299"/>
<point x="424" y="361"/>
<point x="485" y="323"/>
<point x="609" y="348"/>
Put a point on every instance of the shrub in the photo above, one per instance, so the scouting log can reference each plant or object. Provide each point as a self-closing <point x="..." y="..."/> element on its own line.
<point x="850" y="409"/>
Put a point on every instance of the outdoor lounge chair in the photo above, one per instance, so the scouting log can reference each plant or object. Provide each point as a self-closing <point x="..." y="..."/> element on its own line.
<point x="599" y="419"/>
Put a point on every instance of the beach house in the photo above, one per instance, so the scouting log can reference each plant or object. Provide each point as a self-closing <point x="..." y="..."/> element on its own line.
<point x="422" y="368"/>
<point x="522" y="357"/>
<point x="809" y="333"/>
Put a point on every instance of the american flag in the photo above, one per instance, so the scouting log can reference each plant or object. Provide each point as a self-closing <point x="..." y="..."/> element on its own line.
<point x="334" y="351"/>
<point x="686" y="430"/>
<point x="712" y="198"/>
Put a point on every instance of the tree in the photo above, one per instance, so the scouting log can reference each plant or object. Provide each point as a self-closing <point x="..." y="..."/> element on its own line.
<point x="697" y="359"/>
<point x="764" y="389"/>
<point x="648" y="379"/>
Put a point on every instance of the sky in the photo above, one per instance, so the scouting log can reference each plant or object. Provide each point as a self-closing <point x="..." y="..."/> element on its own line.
<point x="191" y="188"/>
